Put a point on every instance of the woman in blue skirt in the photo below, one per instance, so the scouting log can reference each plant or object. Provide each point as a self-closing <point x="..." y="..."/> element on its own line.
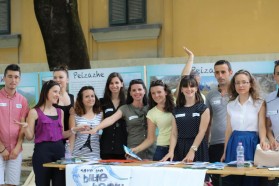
<point x="245" y="120"/>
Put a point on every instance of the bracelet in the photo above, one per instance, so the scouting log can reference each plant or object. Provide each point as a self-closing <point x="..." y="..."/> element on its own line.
<point x="195" y="148"/>
<point x="72" y="129"/>
<point x="3" y="150"/>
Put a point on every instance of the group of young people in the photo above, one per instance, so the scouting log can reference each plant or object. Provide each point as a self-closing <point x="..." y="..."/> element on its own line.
<point x="190" y="126"/>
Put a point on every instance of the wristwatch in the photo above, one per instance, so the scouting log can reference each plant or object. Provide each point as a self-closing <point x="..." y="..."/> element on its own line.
<point x="195" y="148"/>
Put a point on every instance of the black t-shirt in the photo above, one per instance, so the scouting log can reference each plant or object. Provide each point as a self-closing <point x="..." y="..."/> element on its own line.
<point x="66" y="110"/>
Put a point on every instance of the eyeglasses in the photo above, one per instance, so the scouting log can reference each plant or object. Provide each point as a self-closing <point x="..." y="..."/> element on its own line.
<point x="157" y="83"/>
<point x="243" y="83"/>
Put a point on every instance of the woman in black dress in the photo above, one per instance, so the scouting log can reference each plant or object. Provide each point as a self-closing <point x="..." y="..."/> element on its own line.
<point x="115" y="136"/>
<point x="188" y="142"/>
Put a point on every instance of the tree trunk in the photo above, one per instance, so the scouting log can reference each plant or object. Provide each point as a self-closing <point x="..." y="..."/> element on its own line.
<point x="62" y="33"/>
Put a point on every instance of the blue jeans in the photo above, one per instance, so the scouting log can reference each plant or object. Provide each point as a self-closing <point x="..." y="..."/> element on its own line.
<point x="160" y="152"/>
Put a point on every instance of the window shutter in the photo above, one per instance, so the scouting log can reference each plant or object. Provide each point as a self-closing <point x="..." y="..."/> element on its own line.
<point x="117" y="12"/>
<point x="136" y="11"/>
<point x="4" y="16"/>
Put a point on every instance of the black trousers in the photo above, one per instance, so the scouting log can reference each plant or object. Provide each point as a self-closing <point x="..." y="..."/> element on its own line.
<point x="46" y="152"/>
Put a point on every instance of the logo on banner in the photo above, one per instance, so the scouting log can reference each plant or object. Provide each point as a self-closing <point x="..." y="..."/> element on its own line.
<point x="103" y="175"/>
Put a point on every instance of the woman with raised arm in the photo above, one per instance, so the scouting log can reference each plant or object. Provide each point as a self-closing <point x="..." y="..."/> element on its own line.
<point x="115" y="136"/>
<point x="188" y="142"/>
<point x="159" y="116"/>
<point x="134" y="113"/>
<point x="66" y="100"/>
<point x="187" y="70"/>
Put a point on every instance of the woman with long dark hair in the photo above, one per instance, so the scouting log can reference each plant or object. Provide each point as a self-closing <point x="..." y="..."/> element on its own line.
<point x="115" y="136"/>
<point x="45" y="123"/>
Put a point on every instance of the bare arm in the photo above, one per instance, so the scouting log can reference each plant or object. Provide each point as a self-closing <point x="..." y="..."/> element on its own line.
<point x="150" y="137"/>
<point x="14" y="153"/>
<point x="273" y="143"/>
<point x="187" y="68"/>
<point x="201" y="134"/>
<point x="67" y="133"/>
<point x="72" y="124"/>
<point x="28" y="127"/>
<point x="106" y="122"/>
<point x="227" y="136"/>
<point x="262" y="127"/>
<point x="173" y="141"/>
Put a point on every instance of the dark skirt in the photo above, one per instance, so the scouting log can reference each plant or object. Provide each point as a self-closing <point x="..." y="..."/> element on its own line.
<point x="183" y="146"/>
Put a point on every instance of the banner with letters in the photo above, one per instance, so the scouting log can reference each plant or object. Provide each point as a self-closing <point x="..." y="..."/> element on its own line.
<point x="95" y="175"/>
<point x="103" y="175"/>
<point x="170" y="74"/>
<point x="96" y="78"/>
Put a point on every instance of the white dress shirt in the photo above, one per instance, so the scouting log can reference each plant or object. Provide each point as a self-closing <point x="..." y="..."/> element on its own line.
<point x="244" y="117"/>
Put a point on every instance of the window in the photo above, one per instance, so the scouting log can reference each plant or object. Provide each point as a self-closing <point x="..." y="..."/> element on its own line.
<point x="4" y="16"/>
<point x="125" y="12"/>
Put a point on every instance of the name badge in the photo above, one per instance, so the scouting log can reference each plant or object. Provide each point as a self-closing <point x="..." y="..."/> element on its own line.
<point x="108" y="110"/>
<point x="272" y="112"/>
<point x="18" y="105"/>
<point x="195" y="114"/>
<point x="3" y="104"/>
<point x="217" y="102"/>
<point x="133" y="117"/>
<point x="180" y="115"/>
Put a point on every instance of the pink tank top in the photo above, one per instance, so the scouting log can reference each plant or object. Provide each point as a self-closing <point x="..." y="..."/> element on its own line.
<point x="48" y="129"/>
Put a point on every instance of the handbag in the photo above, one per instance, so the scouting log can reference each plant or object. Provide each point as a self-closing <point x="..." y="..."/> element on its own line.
<point x="268" y="158"/>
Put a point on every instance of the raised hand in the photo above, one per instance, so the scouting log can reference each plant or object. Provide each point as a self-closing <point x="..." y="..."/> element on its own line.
<point x="189" y="52"/>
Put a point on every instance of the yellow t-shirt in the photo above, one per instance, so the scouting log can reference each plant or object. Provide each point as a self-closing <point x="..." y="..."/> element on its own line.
<point x="163" y="122"/>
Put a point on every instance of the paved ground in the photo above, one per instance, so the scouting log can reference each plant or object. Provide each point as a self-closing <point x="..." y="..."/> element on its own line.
<point x="26" y="167"/>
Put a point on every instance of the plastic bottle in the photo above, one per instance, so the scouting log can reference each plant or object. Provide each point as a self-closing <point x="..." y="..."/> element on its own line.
<point x="68" y="153"/>
<point x="240" y="155"/>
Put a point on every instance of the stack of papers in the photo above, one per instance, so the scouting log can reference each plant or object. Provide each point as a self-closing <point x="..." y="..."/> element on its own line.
<point x="161" y="164"/>
<point x="246" y="164"/>
<point x="207" y="165"/>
